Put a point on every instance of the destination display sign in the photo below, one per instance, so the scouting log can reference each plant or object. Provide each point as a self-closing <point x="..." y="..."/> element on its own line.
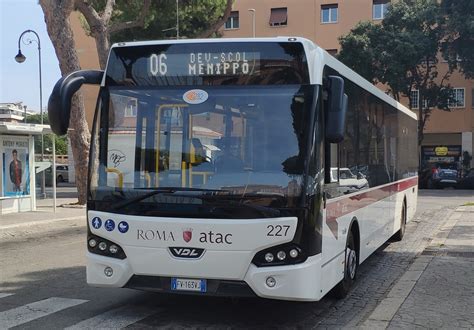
<point x="200" y="64"/>
<point x="216" y="63"/>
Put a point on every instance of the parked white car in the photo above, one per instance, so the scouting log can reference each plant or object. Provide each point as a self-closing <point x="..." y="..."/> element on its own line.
<point x="348" y="181"/>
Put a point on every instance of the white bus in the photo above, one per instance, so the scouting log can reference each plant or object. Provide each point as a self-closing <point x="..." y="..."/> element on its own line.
<point x="240" y="167"/>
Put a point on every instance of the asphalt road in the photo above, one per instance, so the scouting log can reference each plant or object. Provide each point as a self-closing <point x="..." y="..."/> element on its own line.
<point x="42" y="285"/>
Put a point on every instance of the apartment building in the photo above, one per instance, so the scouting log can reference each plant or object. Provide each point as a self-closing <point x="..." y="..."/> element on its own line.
<point x="13" y="112"/>
<point x="324" y="21"/>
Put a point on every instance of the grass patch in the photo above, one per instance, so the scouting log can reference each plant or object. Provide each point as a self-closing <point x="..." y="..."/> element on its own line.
<point x="468" y="204"/>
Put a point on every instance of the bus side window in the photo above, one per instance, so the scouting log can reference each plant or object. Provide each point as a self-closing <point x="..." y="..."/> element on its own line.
<point x="331" y="170"/>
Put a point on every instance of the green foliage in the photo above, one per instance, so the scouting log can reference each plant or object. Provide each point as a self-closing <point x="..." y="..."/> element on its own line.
<point x="459" y="42"/>
<point x="36" y="119"/>
<point x="194" y="18"/>
<point x="410" y="42"/>
<point x="61" y="141"/>
<point x="402" y="52"/>
<point x="358" y="50"/>
<point x="61" y="144"/>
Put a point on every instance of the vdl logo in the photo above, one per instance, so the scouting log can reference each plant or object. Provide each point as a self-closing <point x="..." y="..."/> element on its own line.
<point x="186" y="253"/>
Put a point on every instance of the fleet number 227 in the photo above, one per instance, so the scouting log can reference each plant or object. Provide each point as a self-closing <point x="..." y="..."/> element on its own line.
<point x="277" y="230"/>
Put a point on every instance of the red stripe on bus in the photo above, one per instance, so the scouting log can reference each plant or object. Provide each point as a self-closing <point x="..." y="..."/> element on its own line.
<point x="337" y="209"/>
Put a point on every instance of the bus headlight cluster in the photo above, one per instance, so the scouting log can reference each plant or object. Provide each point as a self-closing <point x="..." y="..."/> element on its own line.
<point x="99" y="245"/>
<point x="279" y="255"/>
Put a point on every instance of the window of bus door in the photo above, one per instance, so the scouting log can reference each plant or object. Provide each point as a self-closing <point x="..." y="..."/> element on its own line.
<point x="190" y="142"/>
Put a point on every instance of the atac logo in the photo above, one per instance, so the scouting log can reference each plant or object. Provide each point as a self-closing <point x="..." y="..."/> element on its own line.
<point x="195" y="96"/>
<point x="187" y="234"/>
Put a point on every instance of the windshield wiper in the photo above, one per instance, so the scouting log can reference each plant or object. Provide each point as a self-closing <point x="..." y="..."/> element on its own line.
<point x="161" y="190"/>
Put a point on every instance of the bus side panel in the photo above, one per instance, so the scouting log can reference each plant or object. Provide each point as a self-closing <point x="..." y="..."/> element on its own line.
<point x="333" y="253"/>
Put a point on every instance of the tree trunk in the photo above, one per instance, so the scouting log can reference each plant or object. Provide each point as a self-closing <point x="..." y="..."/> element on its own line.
<point x="56" y="14"/>
<point x="102" y="42"/>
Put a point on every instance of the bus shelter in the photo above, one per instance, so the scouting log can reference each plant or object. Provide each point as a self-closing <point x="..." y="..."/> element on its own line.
<point x="18" y="166"/>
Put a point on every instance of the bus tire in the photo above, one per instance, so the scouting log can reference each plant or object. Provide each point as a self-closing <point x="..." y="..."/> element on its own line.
<point x="350" y="269"/>
<point x="403" y="221"/>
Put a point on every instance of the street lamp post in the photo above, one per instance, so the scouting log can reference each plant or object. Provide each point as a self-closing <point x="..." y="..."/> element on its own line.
<point x="20" y="58"/>
<point x="253" y="21"/>
<point x="176" y="27"/>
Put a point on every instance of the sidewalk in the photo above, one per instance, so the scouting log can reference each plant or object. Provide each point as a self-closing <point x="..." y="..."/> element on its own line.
<point x="44" y="214"/>
<point x="437" y="291"/>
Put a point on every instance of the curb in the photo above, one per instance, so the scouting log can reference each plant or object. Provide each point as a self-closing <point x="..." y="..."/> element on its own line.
<point x="383" y="314"/>
<point x="39" y="222"/>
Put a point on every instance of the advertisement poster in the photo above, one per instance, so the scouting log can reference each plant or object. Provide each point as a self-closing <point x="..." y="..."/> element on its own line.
<point x="16" y="178"/>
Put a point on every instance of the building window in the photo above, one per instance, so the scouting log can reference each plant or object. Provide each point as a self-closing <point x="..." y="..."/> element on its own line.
<point x="379" y="8"/>
<point x="232" y="21"/>
<point x="414" y="99"/>
<point x="329" y="13"/>
<point x="279" y="17"/>
<point x="333" y="52"/>
<point x="457" y="100"/>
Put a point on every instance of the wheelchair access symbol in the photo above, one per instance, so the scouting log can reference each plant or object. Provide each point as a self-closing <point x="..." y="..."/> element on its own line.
<point x="109" y="225"/>
<point x="96" y="223"/>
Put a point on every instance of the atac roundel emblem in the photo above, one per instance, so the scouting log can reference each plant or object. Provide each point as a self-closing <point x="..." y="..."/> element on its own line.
<point x="187" y="234"/>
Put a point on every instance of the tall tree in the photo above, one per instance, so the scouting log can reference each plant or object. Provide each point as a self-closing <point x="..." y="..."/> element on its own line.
<point x="458" y="48"/>
<point x="412" y="40"/>
<point x="56" y="14"/>
<point x="138" y="20"/>
<point x="358" y="50"/>
<point x="197" y="19"/>
<point x="402" y="53"/>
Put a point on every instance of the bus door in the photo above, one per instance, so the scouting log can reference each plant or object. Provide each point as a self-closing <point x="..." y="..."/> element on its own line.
<point x="171" y="141"/>
<point x="145" y="146"/>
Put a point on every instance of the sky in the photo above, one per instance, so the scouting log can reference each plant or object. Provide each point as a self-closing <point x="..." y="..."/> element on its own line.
<point x="20" y="82"/>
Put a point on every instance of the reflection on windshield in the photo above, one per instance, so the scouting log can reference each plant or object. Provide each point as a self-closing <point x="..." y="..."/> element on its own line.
<point x="243" y="140"/>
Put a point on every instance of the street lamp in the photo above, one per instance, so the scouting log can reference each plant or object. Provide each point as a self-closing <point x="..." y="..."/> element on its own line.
<point x="20" y="58"/>
<point x="253" y="21"/>
<point x="177" y="22"/>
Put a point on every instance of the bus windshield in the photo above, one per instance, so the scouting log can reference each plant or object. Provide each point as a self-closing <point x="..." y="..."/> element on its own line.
<point x="227" y="142"/>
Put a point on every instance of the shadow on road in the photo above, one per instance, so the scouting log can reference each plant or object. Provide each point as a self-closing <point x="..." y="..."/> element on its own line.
<point x="449" y="193"/>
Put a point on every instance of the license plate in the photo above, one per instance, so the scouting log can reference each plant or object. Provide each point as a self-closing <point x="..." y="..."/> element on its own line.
<point x="187" y="284"/>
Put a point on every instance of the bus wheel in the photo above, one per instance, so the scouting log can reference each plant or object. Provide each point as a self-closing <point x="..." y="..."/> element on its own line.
<point x="350" y="269"/>
<point x="403" y="221"/>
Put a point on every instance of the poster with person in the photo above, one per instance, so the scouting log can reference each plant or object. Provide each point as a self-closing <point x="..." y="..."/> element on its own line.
<point x="16" y="178"/>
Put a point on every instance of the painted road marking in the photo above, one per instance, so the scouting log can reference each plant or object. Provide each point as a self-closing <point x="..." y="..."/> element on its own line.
<point x="115" y="318"/>
<point x="36" y="310"/>
<point x="3" y="295"/>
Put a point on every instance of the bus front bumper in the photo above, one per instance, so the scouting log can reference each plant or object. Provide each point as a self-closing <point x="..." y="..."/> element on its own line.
<point x="300" y="282"/>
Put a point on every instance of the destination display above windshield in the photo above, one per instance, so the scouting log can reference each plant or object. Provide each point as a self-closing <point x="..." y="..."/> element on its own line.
<point x="200" y="64"/>
<point x="219" y="63"/>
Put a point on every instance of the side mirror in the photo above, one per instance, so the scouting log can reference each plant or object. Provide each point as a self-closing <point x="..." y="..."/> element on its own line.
<point x="59" y="104"/>
<point x="337" y="109"/>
